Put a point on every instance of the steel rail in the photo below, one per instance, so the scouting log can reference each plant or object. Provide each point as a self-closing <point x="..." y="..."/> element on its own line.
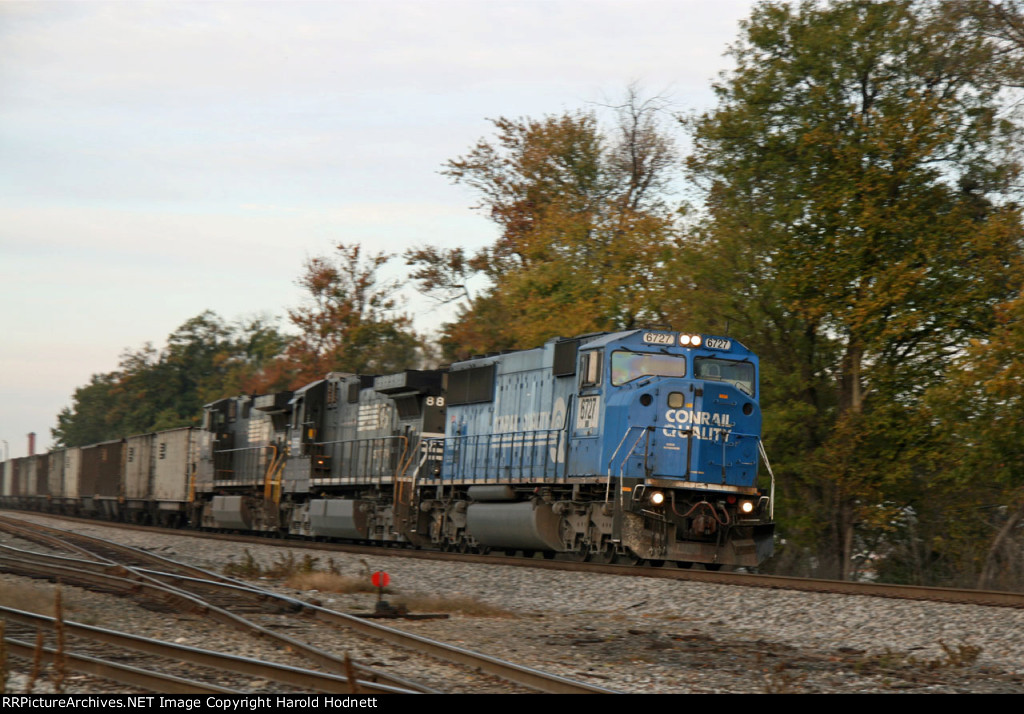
<point x="181" y="599"/>
<point x="990" y="598"/>
<point x="526" y="676"/>
<point x="114" y="671"/>
<point x="58" y="537"/>
<point x="220" y="661"/>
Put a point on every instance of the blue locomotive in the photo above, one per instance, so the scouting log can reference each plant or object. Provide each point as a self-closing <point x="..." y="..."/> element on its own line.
<point x="641" y="444"/>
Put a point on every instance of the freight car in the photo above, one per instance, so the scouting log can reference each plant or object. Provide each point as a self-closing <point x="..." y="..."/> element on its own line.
<point x="642" y="444"/>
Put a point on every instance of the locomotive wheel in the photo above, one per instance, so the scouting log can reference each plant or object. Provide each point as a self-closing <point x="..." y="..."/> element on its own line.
<point x="684" y="564"/>
<point x="605" y="556"/>
<point x="580" y="555"/>
<point x="656" y="563"/>
<point x="712" y="566"/>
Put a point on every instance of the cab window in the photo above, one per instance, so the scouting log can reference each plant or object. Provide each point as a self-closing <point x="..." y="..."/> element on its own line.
<point x="627" y="366"/>
<point x="738" y="373"/>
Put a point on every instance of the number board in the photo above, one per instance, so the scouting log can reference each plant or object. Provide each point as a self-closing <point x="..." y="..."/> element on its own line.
<point x="659" y="338"/>
<point x="586" y="414"/>
<point x="717" y="343"/>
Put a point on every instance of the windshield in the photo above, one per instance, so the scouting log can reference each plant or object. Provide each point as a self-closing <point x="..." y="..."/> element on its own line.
<point x="737" y="373"/>
<point x="627" y="366"/>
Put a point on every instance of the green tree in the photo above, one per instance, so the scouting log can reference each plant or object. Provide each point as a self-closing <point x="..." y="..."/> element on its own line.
<point x="87" y="420"/>
<point x="585" y="228"/>
<point x="205" y="359"/>
<point x="858" y="232"/>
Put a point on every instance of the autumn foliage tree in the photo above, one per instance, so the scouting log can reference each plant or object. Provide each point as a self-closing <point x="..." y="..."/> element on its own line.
<point x="350" y="321"/>
<point x="584" y="228"/>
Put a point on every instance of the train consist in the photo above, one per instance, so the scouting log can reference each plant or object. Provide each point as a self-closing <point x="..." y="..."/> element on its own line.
<point x="641" y="444"/>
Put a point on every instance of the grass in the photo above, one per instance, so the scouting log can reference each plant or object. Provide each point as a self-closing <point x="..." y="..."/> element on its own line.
<point x="283" y="567"/>
<point x="331" y="583"/>
<point x="958" y="656"/>
<point x="308" y="573"/>
<point x="954" y="656"/>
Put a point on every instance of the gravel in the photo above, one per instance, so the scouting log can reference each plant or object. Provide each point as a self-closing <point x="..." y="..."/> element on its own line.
<point x="650" y="635"/>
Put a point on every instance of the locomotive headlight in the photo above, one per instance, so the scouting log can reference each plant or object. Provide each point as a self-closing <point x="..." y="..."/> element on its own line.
<point x="746" y="506"/>
<point x="657" y="498"/>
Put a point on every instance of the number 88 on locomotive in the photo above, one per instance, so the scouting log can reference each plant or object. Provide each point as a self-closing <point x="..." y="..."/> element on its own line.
<point x="643" y="444"/>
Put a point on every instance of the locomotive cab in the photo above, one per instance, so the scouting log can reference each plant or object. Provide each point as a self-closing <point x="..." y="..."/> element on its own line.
<point x="681" y="448"/>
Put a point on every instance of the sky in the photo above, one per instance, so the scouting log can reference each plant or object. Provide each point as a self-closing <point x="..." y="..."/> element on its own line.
<point x="158" y="159"/>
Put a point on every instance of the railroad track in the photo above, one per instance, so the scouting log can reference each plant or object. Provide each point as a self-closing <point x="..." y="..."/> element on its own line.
<point x="992" y="598"/>
<point x="157" y="666"/>
<point x="165" y="583"/>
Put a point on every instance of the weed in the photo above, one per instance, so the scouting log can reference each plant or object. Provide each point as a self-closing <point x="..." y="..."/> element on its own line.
<point x="958" y="656"/>
<point x="284" y="565"/>
<point x="331" y="583"/>
<point x="961" y="656"/>
<point x="415" y="602"/>
<point x="248" y="568"/>
<point x="891" y="660"/>
<point x="307" y="573"/>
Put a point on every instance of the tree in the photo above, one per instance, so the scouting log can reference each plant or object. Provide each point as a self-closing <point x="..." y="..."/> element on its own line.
<point x="585" y="226"/>
<point x="253" y="361"/>
<point x="1000" y="23"/>
<point x="205" y="359"/>
<point x="858" y="230"/>
<point x="981" y="411"/>
<point x="350" y="322"/>
<point x="88" y="421"/>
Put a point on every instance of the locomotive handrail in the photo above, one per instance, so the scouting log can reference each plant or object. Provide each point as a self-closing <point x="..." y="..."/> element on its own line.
<point x="369" y="460"/>
<point x="771" y="498"/>
<point x="465" y="453"/>
<point x="272" y="486"/>
<point x="644" y="429"/>
<point x="245" y="468"/>
<point x="403" y="462"/>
